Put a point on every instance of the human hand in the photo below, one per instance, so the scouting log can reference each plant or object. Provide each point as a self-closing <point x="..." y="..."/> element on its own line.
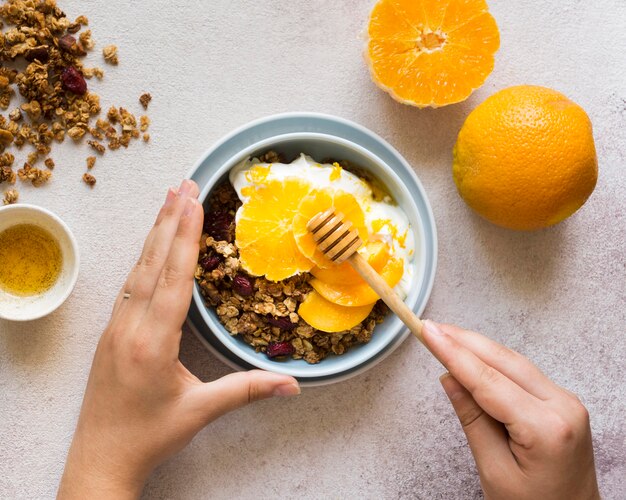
<point x="141" y="404"/>
<point x="530" y="438"/>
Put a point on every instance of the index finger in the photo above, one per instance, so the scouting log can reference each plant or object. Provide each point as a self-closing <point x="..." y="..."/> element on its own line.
<point x="510" y="363"/>
<point x="496" y="394"/>
<point x="171" y="298"/>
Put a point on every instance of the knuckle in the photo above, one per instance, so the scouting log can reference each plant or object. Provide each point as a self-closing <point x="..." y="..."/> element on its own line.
<point x="488" y="375"/>
<point x="170" y="276"/>
<point x="254" y="393"/>
<point x="503" y="352"/>
<point x="470" y="415"/>
<point x="580" y="413"/>
<point x="561" y="431"/>
<point x="151" y="258"/>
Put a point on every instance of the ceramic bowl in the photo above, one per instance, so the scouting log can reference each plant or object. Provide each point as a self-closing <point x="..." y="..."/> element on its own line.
<point x="321" y="146"/>
<point x="36" y="306"/>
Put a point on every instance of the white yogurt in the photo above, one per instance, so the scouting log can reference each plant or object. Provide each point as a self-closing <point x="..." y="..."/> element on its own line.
<point x="384" y="219"/>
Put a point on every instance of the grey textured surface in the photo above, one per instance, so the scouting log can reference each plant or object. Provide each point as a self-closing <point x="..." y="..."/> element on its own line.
<point x="558" y="296"/>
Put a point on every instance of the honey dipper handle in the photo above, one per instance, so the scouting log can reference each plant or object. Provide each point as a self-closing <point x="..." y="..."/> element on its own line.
<point x="385" y="292"/>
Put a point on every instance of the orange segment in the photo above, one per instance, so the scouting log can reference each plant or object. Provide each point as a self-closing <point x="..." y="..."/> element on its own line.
<point x="361" y="294"/>
<point x="328" y="317"/>
<point x="264" y="230"/>
<point x="431" y="52"/>
<point x="313" y="204"/>
<point x="377" y="255"/>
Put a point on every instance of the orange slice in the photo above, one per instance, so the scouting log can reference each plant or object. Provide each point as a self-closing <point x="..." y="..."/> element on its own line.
<point x="264" y="230"/>
<point x="377" y="254"/>
<point x="328" y="317"/>
<point x="361" y="294"/>
<point x="431" y="52"/>
<point x="313" y="204"/>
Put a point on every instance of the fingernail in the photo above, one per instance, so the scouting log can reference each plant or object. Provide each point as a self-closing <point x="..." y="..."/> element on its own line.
<point x="451" y="387"/>
<point x="171" y="196"/>
<point x="185" y="187"/>
<point x="432" y="328"/>
<point x="286" y="390"/>
<point x="190" y="204"/>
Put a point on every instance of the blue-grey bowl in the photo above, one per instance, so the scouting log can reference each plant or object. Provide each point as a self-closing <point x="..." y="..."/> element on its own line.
<point x="406" y="189"/>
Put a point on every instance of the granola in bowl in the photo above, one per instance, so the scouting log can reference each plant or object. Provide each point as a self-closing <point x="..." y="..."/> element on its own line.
<point x="276" y="309"/>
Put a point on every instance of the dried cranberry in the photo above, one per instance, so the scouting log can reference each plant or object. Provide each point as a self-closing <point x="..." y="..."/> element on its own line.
<point x="243" y="285"/>
<point x="39" y="53"/>
<point x="210" y="261"/>
<point x="217" y="225"/>
<point x="73" y="81"/>
<point x="66" y="42"/>
<point x="284" y="323"/>
<point x="275" y="349"/>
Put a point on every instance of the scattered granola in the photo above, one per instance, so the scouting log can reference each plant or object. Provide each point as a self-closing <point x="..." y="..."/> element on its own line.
<point x="10" y="196"/>
<point x="89" y="179"/>
<point x="262" y="312"/>
<point x="96" y="146"/>
<point x="45" y="51"/>
<point x="144" y="123"/>
<point x="7" y="174"/>
<point x="49" y="163"/>
<point x="91" y="161"/>
<point x="36" y="176"/>
<point x="110" y="54"/>
<point x="145" y="99"/>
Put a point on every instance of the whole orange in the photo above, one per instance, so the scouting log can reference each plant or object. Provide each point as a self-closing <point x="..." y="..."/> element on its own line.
<point x="525" y="158"/>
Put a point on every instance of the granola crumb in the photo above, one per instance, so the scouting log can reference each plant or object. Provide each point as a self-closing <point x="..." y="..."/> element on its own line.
<point x="146" y="137"/>
<point x="91" y="162"/>
<point x="110" y="54"/>
<point x="49" y="163"/>
<point x="144" y="122"/>
<point x="10" y="196"/>
<point x="7" y="174"/>
<point x="86" y="41"/>
<point x="89" y="179"/>
<point x="36" y="176"/>
<point x="15" y="115"/>
<point x="145" y="99"/>
<point x="96" y="146"/>
<point x="76" y="133"/>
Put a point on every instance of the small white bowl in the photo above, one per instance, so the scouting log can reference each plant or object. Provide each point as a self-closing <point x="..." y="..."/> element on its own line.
<point x="32" y="307"/>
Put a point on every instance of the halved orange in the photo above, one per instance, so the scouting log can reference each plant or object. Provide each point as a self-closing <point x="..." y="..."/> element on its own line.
<point x="360" y="294"/>
<point x="431" y="52"/>
<point x="319" y="201"/>
<point x="328" y="317"/>
<point x="264" y="230"/>
<point x="376" y="253"/>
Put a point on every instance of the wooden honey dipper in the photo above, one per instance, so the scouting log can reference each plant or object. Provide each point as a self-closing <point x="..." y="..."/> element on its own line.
<point x="339" y="241"/>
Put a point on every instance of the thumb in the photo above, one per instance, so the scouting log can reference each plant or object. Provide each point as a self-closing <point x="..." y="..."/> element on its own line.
<point x="238" y="389"/>
<point x="487" y="437"/>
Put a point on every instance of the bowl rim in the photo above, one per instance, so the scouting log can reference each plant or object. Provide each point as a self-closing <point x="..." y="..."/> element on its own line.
<point x="45" y="213"/>
<point x="227" y="165"/>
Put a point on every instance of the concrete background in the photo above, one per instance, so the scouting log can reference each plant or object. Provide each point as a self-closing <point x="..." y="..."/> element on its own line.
<point x="558" y="296"/>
